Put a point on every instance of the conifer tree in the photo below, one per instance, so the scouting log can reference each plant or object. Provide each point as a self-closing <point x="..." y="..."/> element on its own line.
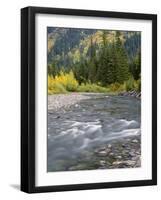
<point x="81" y="71"/>
<point x="135" y="67"/>
<point x="103" y="70"/>
<point x="112" y="64"/>
<point x="93" y="65"/>
<point x="122" y="68"/>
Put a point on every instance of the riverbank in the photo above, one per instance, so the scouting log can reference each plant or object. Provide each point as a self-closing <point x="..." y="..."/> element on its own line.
<point x="57" y="101"/>
<point x="132" y="93"/>
<point x="64" y="101"/>
<point x="122" y="153"/>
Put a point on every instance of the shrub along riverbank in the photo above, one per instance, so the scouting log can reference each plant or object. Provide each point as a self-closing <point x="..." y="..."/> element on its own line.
<point x="66" y="82"/>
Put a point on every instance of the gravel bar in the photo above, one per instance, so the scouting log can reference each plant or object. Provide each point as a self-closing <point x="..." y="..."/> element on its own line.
<point x="57" y="101"/>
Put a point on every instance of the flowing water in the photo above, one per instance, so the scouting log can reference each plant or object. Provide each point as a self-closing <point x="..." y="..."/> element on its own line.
<point x="74" y="134"/>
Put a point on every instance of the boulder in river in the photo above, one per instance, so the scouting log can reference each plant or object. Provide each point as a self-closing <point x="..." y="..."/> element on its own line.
<point x="135" y="141"/>
<point x="102" y="162"/>
<point x="104" y="152"/>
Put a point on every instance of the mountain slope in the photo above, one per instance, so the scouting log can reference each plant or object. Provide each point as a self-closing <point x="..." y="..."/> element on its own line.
<point x="67" y="46"/>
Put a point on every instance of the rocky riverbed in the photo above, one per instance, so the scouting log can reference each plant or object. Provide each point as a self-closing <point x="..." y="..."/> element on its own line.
<point x="64" y="101"/>
<point x="125" y="153"/>
<point x="93" y="131"/>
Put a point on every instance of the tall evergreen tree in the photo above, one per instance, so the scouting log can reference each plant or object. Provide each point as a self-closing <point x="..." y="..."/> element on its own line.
<point x="93" y="65"/>
<point x="112" y="64"/>
<point x="81" y="71"/>
<point x="102" y="70"/>
<point x="122" y="70"/>
<point x="107" y="71"/>
<point x="103" y="61"/>
<point x="135" y="67"/>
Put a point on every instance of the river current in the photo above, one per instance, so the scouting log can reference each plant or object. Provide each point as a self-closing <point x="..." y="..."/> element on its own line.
<point x="75" y="133"/>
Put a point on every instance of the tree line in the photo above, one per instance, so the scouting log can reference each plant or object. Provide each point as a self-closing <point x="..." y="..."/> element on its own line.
<point x="105" y="65"/>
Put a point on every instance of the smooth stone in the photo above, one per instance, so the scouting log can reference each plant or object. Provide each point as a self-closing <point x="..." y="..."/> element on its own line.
<point x="118" y="157"/>
<point x="109" y="146"/>
<point x="135" y="158"/>
<point x="102" y="162"/>
<point x="135" y="141"/>
<point x="132" y="154"/>
<point x="126" y="162"/>
<point x="111" y="154"/>
<point x="138" y="153"/>
<point x="138" y="163"/>
<point x="104" y="152"/>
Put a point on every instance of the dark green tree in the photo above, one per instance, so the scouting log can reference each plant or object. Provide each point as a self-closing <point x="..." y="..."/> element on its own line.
<point x="53" y="69"/>
<point x="104" y="55"/>
<point x="81" y="71"/>
<point x="92" y="63"/>
<point x="122" y="67"/>
<point x="107" y="72"/>
<point x="102" y="69"/>
<point x="112" y="64"/>
<point x="135" y="66"/>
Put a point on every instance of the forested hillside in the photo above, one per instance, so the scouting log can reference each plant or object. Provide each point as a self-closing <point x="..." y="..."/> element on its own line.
<point x="100" y="57"/>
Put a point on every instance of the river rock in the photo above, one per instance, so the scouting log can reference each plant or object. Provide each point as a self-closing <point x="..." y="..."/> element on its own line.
<point x="135" y="158"/>
<point x="104" y="152"/>
<point x="124" y="145"/>
<point x="108" y="151"/>
<point x="125" y="163"/>
<point x="132" y="93"/>
<point x="138" y="153"/>
<point x="118" y="157"/>
<point x="111" y="154"/>
<point x="135" y="141"/>
<point x="138" y="163"/>
<point x="125" y="152"/>
<point x="102" y="148"/>
<point x="138" y="95"/>
<point x="109" y="146"/>
<point x="102" y="162"/>
<point x="132" y="154"/>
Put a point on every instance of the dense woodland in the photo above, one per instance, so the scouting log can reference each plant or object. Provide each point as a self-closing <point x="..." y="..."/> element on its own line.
<point x="93" y="60"/>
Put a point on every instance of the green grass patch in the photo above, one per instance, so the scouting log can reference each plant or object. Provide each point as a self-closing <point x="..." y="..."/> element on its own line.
<point x="92" y="87"/>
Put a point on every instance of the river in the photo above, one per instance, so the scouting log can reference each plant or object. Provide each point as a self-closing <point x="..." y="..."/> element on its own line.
<point x="75" y="134"/>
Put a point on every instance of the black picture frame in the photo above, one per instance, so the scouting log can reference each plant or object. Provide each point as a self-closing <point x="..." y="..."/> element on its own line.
<point x="28" y="98"/>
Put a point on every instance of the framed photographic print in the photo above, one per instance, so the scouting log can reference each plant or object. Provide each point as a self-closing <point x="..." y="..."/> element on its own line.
<point x="88" y="99"/>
